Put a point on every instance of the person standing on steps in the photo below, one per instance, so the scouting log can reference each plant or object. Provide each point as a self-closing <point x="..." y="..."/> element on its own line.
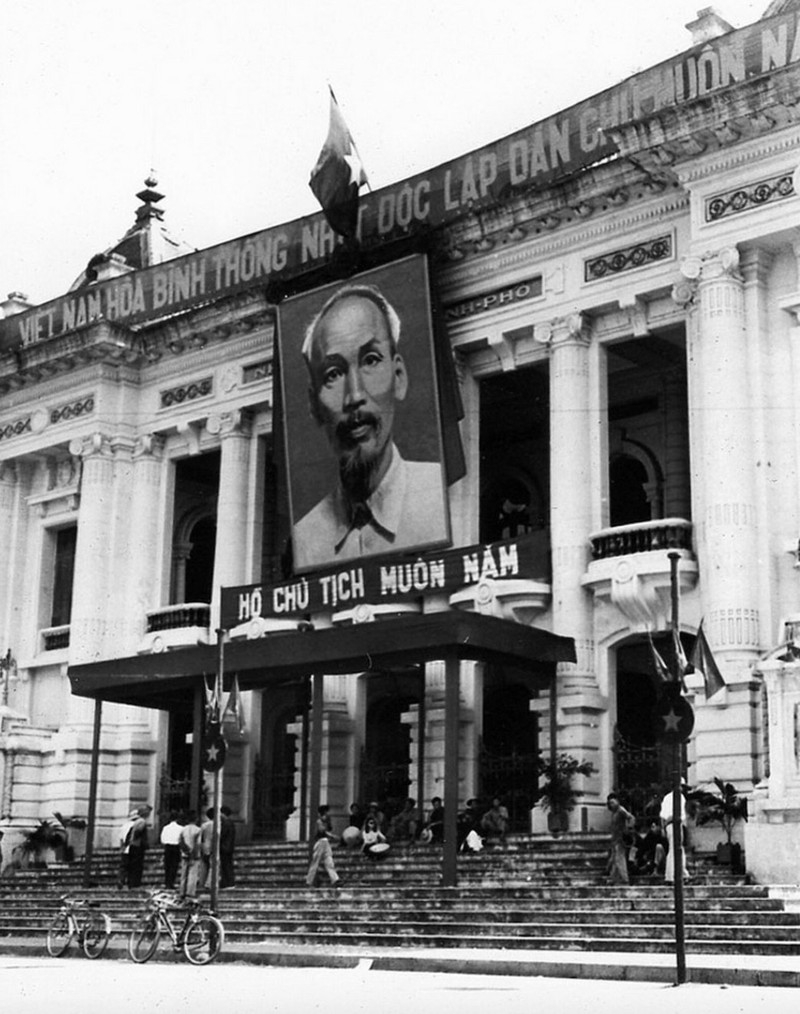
<point x="171" y="840"/>
<point x="227" y="846"/>
<point x="190" y="854"/>
<point x="621" y="827"/>
<point x="669" y="827"/>
<point x="321" y="854"/>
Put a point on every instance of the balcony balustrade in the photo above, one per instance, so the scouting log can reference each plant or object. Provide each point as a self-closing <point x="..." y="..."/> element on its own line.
<point x="55" y="638"/>
<point x="187" y="614"/>
<point x="649" y="536"/>
<point x="631" y="567"/>
<point x="178" y="626"/>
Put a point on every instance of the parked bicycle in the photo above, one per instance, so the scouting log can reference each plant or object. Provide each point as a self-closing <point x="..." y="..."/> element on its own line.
<point x="200" y="937"/>
<point x="81" y="919"/>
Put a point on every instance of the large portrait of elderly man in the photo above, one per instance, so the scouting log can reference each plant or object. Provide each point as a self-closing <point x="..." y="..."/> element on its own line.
<point x="361" y="418"/>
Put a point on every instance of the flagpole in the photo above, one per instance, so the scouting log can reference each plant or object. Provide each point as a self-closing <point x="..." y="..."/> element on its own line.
<point x="677" y="826"/>
<point x="217" y="776"/>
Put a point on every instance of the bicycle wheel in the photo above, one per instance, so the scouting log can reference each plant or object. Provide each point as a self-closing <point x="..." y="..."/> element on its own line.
<point x="59" y="935"/>
<point x="96" y="934"/>
<point x="144" y="938"/>
<point x="203" y="940"/>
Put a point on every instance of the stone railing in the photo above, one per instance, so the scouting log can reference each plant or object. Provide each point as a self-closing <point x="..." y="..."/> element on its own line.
<point x="186" y="614"/>
<point x="645" y="537"/>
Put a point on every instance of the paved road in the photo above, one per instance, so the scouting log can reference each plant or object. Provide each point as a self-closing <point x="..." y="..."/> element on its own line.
<point x="77" y="986"/>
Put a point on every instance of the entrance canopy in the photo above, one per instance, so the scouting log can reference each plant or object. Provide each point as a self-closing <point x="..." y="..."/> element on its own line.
<point x="157" y="681"/>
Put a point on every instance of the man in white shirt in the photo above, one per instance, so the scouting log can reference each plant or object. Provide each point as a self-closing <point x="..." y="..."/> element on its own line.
<point x="667" y="820"/>
<point x="171" y="839"/>
<point x="357" y="379"/>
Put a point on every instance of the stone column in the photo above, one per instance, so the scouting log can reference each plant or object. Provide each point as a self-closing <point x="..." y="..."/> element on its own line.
<point x="146" y="535"/>
<point x="726" y="527"/>
<point x="230" y="554"/>
<point x="92" y="552"/>
<point x="572" y="424"/>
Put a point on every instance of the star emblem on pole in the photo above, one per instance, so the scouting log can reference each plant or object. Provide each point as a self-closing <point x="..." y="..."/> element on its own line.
<point x="674" y="716"/>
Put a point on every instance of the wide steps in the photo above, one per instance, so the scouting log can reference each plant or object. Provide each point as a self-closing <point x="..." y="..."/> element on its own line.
<point x="538" y="893"/>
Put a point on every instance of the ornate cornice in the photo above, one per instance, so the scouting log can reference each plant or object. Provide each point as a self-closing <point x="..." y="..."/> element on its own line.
<point x="533" y="252"/>
<point x="746" y="155"/>
<point x="100" y="342"/>
<point x="697" y="131"/>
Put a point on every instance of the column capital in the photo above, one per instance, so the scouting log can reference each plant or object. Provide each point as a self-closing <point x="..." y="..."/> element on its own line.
<point x="712" y="265"/>
<point x="573" y="329"/>
<point x="149" y="446"/>
<point x="93" y="446"/>
<point x="235" y="423"/>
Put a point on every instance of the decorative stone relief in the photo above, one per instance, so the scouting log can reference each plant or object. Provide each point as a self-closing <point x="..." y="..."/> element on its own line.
<point x="16" y="428"/>
<point x="755" y="195"/>
<point x="72" y="410"/>
<point x="627" y="258"/>
<point x="187" y="392"/>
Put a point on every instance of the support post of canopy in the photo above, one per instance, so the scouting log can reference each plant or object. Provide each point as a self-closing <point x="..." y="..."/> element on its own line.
<point x="421" y="750"/>
<point x="197" y="744"/>
<point x="217" y="780"/>
<point x="451" y="768"/>
<point x="93" y="778"/>
<point x="677" y="803"/>
<point x="316" y="747"/>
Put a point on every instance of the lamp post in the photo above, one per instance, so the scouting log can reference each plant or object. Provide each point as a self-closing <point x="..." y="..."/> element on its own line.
<point x="8" y="667"/>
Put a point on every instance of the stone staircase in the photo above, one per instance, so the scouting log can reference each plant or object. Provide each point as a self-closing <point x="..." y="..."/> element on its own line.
<point x="539" y="893"/>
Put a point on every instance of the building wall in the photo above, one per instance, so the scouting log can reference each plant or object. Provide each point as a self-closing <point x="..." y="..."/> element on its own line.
<point x="645" y="296"/>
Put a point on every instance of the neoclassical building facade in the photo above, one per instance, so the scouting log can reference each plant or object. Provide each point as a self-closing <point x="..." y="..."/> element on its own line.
<point x="618" y="292"/>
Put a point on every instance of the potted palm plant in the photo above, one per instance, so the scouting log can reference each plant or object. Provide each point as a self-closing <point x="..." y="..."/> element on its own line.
<point x="723" y="806"/>
<point x="557" y="793"/>
<point x="39" y="845"/>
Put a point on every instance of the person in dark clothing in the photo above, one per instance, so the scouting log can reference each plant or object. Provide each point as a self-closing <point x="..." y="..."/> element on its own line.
<point x="468" y="820"/>
<point x="651" y="850"/>
<point x="227" y="846"/>
<point x="138" y="842"/>
<point x="435" y="821"/>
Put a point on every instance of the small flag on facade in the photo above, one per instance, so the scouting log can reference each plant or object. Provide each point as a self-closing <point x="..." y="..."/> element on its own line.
<point x="212" y="702"/>
<point x="338" y="175"/>
<point x="233" y="706"/>
<point x="680" y="655"/>
<point x="659" y="664"/>
<point x="703" y="662"/>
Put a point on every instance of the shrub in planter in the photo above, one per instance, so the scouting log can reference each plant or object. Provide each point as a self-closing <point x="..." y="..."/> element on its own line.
<point x="724" y="807"/>
<point x="37" y="844"/>
<point x="558" y="795"/>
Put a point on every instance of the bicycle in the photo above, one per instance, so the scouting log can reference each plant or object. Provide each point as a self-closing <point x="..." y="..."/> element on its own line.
<point x="81" y="919"/>
<point x="200" y="937"/>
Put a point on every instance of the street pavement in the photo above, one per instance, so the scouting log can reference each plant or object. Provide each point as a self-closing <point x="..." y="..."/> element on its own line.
<point x="708" y="969"/>
<point x="32" y="985"/>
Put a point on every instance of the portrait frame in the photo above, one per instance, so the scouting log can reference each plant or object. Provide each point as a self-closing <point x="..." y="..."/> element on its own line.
<point x="311" y="467"/>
